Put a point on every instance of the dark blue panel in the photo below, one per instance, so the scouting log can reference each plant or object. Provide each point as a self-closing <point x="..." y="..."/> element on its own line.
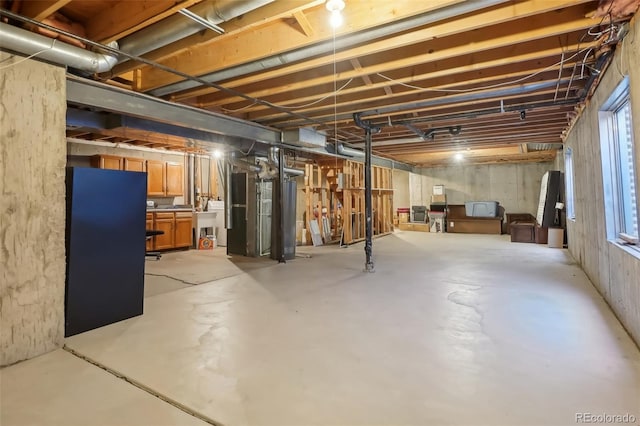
<point x="106" y="215"/>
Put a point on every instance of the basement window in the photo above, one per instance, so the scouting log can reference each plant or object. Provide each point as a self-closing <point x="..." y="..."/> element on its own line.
<point x="568" y="176"/>
<point x="618" y="168"/>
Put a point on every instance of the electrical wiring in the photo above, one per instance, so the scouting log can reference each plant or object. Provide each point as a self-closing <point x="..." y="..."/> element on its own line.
<point x="491" y="86"/>
<point x="295" y="106"/>
<point x="250" y="149"/>
<point x="240" y="109"/>
<point x="336" y="91"/>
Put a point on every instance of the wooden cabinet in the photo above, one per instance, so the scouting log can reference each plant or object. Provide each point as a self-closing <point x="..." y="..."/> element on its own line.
<point x="174" y="175"/>
<point x="149" y="226"/>
<point x="135" y="164"/>
<point x="177" y="227"/>
<point x="155" y="178"/>
<point x="164" y="222"/>
<point x="183" y="229"/>
<point x="165" y="179"/>
<point x="107" y="162"/>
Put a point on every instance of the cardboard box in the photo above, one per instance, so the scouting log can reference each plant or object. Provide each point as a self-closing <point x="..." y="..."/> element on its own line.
<point x="439" y="198"/>
<point x="403" y="217"/>
<point x="207" y="243"/>
<point x="438" y="189"/>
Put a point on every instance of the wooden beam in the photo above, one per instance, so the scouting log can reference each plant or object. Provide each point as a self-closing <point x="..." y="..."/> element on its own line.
<point x="304" y="23"/>
<point x="40" y="9"/>
<point x="256" y="18"/>
<point x="496" y="157"/>
<point x="355" y="63"/>
<point x="528" y="36"/>
<point x="222" y="53"/>
<point x="435" y="33"/>
<point x="352" y="97"/>
<point x="402" y="109"/>
<point x="122" y="18"/>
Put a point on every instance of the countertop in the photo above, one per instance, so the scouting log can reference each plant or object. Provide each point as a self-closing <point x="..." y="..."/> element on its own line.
<point x="169" y="210"/>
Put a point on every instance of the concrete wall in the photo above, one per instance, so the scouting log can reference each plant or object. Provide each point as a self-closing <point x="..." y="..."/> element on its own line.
<point x="515" y="186"/>
<point x="400" y="180"/>
<point x="613" y="270"/>
<point x="32" y="208"/>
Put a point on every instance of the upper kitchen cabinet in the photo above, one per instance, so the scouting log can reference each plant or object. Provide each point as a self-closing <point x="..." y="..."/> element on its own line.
<point x="155" y="178"/>
<point x="135" y="164"/>
<point x="165" y="179"/>
<point x="174" y="179"/>
<point x="107" y="162"/>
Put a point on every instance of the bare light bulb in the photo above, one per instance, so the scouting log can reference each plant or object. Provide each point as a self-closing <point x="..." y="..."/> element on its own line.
<point x="336" y="19"/>
<point x="217" y="153"/>
<point x="458" y="156"/>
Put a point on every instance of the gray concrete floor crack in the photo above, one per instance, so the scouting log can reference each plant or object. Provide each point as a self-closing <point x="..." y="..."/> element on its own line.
<point x="143" y="387"/>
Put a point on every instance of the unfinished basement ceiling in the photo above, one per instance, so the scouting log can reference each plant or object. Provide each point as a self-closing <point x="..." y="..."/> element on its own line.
<point x="498" y="80"/>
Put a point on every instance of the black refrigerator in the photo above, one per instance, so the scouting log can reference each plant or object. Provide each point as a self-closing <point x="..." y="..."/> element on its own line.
<point x="105" y="247"/>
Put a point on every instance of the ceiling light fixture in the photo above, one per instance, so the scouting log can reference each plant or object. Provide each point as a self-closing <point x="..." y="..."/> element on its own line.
<point x="217" y="153"/>
<point x="200" y="20"/>
<point x="458" y="156"/>
<point x="335" y="7"/>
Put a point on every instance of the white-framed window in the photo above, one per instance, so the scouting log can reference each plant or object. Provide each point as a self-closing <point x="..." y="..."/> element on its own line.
<point x="618" y="168"/>
<point x="568" y="184"/>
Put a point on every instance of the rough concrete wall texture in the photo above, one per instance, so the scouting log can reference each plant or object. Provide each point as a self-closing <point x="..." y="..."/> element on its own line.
<point x="416" y="191"/>
<point x="400" y="180"/>
<point x="613" y="270"/>
<point x="515" y="186"/>
<point x="32" y="208"/>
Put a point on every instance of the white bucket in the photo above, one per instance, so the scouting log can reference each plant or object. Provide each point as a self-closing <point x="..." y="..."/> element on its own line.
<point x="555" y="238"/>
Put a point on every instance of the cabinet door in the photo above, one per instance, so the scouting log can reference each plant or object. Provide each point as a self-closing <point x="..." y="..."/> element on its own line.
<point x="183" y="229"/>
<point x="134" y="165"/>
<point x="175" y="175"/>
<point x="149" y="226"/>
<point x="107" y="162"/>
<point x="155" y="178"/>
<point x="164" y="222"/>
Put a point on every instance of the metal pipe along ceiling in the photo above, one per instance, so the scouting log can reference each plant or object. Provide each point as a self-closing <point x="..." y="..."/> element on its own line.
<point x="274" y="161"/>
<point x="28" y="43"/>
<point x="345" y="150"/>
<point x="328" y="46"/>
<point x="177" y="27"/>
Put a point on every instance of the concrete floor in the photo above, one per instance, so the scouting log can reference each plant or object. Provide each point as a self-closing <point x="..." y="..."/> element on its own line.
<point x="451" y="330"/>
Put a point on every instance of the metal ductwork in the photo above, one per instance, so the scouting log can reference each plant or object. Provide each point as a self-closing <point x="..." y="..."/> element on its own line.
<point x="177" y="27"/>
<point x="228" y="217"/>
<point x="328" y="46"/>
<point x="273" y="160"/>
<point x="52" y="50"/>
<point x="305" y="137"/>
<point x="244" y="165"/>
<point x="345" y="150"/>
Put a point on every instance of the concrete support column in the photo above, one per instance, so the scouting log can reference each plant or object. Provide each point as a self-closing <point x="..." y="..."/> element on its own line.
<point x="32" y="207"/>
